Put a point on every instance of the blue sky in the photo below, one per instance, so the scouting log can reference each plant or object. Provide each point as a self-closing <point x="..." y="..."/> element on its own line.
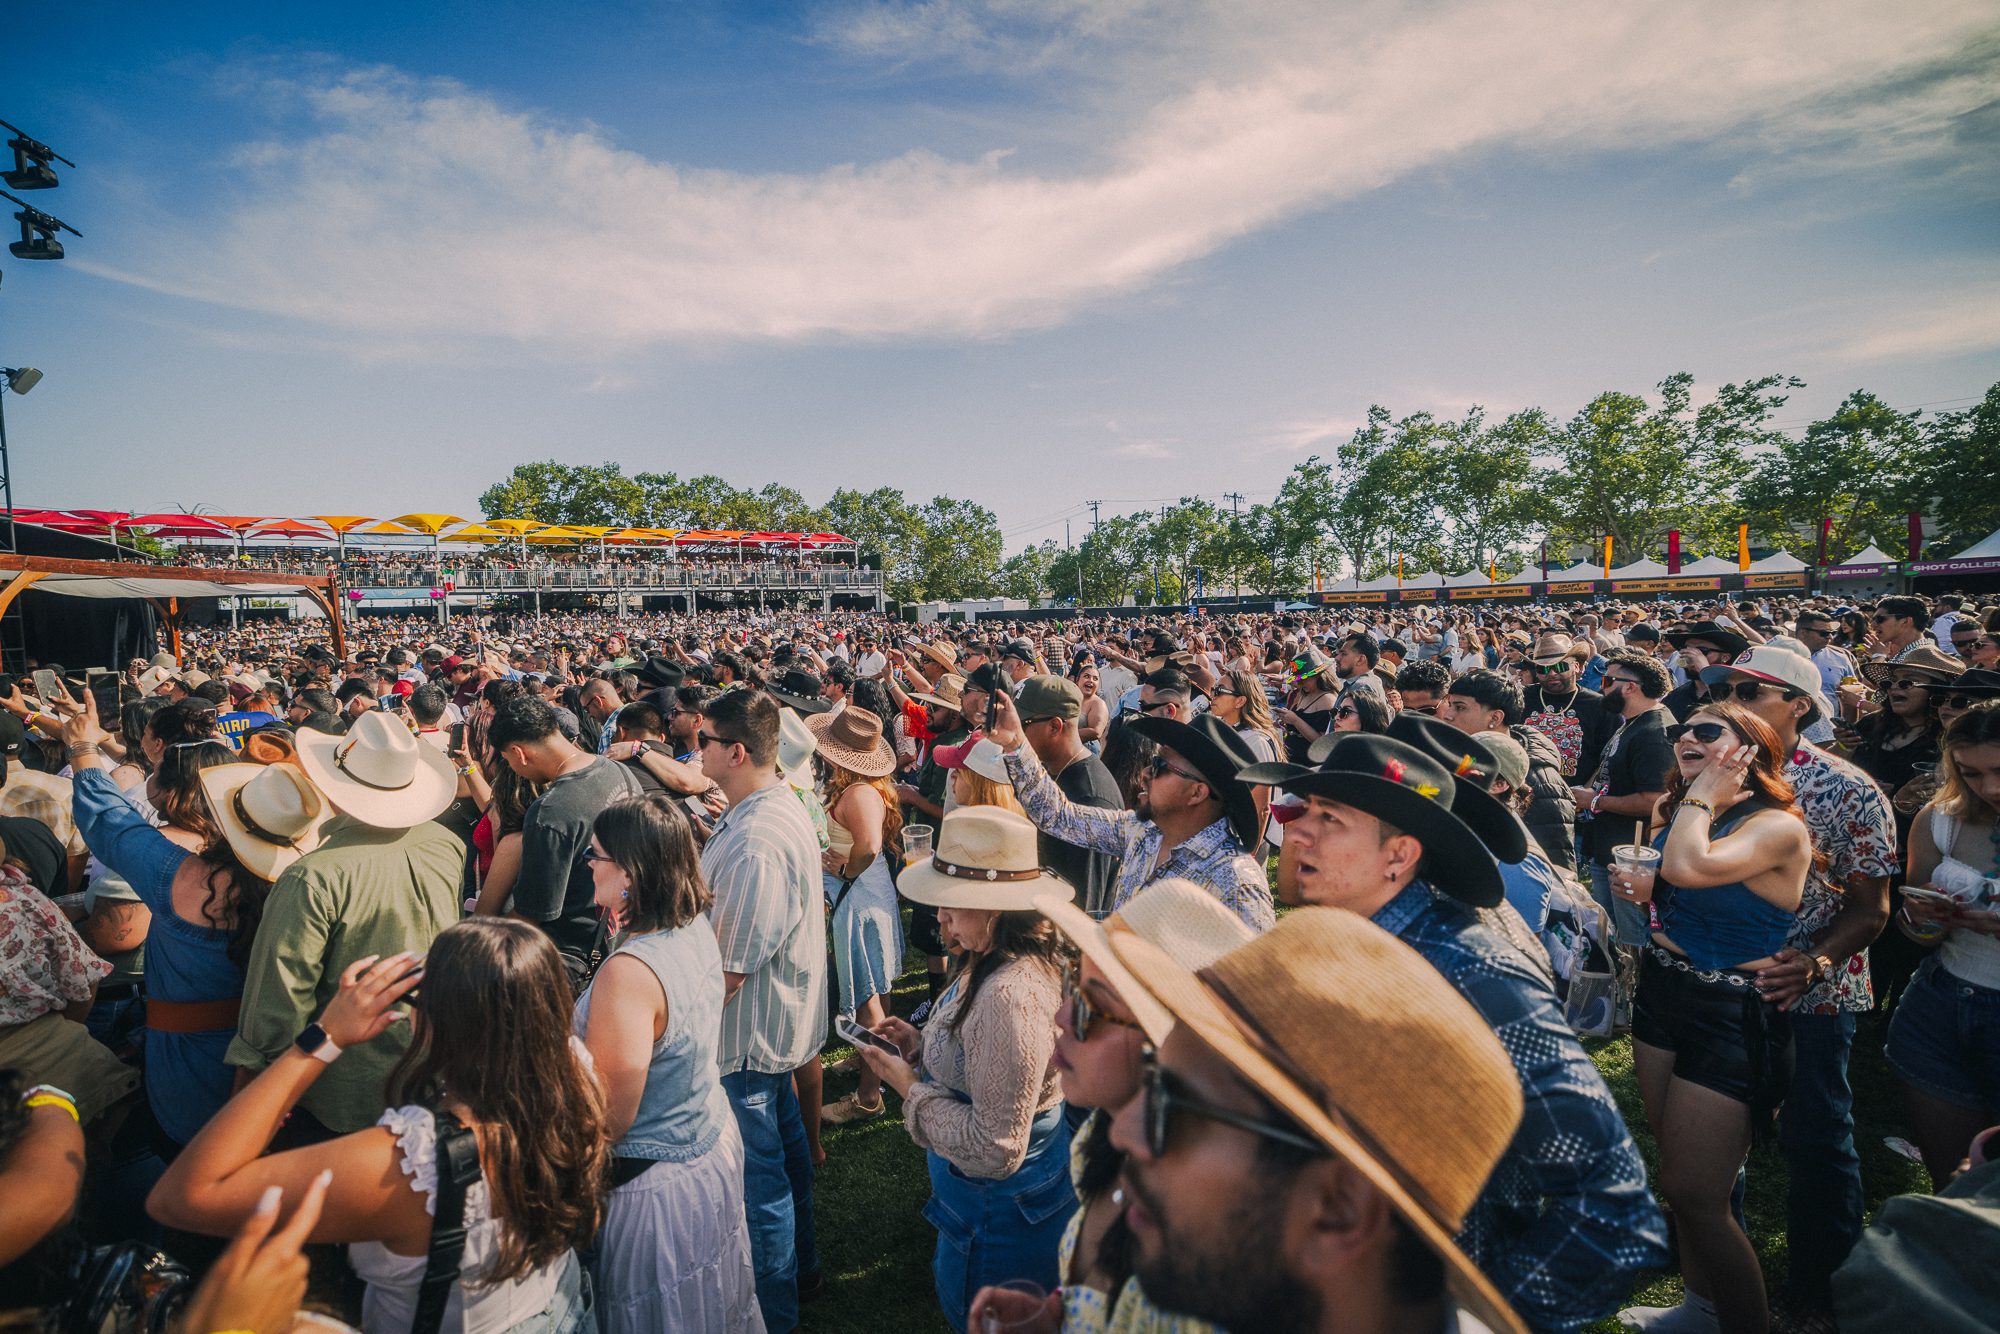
<point x="363" y="258"/>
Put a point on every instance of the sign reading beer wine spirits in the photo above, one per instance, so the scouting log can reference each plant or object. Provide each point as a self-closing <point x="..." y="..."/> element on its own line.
<point x="1491" y="591"/>
<point x="1328" y="599"/>
<point x="1687" y="585"/>
<point x="1568" y="590"/>
<point x="1785" y="579"/>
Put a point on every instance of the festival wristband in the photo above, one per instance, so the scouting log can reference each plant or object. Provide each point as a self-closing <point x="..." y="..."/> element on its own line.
<point x="1698" y="804"/>
<point x="48" y="1095"/>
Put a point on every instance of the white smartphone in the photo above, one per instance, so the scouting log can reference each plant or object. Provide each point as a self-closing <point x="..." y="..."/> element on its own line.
<point x="860" y="1036"/>
<point x="1929" y="895"/>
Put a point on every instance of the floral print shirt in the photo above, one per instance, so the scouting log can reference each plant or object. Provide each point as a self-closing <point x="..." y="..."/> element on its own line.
<point x="44" y="964"/>
<point x="1852" y="823"/>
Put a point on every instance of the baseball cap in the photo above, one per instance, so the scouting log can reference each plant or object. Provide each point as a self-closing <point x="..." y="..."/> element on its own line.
<point x="1049" y="697"/>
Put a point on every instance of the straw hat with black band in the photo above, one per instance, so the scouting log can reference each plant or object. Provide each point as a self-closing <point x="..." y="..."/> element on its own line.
<point x="944" y="692"/>
<point x="853" y="740"/>
<point x="1405" y="788"/>
<point x="943" y="653"/>
<point x="1927" y="659"/>
<point x="986" y="857"/>
<point x="1353" y="1035"/>
<point x="1220" y="755"/>
<point x="1178" y="916"/>
<point x="270" y="813"/>
<point x="379" y="772"/>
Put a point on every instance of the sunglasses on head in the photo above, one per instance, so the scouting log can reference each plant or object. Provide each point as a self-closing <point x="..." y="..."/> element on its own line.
<point x="1706" y="733"/>
<point x="1165" y="1095"/>
<point x="1082" y="1014"/>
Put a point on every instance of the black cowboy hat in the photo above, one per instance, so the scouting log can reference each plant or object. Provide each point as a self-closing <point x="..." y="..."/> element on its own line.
<point x="1220" y="756"/>
<point x="1974" y="681"/>
<point x="658" y="671"/>
<point x="1402" y="786"/>
<point x="1474" y="765"/>
<point x="799" y="689"/>
<point x="1725" y="639"/>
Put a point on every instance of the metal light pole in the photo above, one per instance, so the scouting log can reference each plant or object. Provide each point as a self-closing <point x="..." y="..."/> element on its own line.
<point x="19" y="379"/>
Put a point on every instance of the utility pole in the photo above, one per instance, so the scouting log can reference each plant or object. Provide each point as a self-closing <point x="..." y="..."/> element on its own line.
<point x="1093" y="513"/>
<point x="1235" y="498"/>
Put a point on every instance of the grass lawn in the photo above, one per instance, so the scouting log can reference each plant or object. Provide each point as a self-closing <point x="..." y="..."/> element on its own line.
<point x="876" y="1248"/>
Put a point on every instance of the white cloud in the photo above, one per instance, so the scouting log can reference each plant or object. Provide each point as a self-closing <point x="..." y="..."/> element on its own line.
<point x="1142" y="449"/>
<point x="1939" y="325"/>
<point x="416" y="208"/>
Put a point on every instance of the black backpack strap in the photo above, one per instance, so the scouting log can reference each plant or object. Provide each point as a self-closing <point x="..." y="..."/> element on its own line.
<point x="457" y="1169"/>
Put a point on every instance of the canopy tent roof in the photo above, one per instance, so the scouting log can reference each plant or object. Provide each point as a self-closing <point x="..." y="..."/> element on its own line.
<point x="1470" y="579"/>
<point x="1583" y="569"/>
<point x="1778" y="562"/>
<point x="1643" y="568"/>
<point x="1871" y="555"/>
<point x="1984" y="549"/>
<point x="444" y="527"/>
<point x="91" y="586"/>
<point x="1710" y="565"/>
<point x="428" y="524"/>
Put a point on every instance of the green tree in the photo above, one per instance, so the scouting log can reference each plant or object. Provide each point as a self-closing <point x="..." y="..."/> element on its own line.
<point x="1858" y="468"/>
<point x="1108" y="561"/>
<point x="1481" y="483"/>
<point x="1025" y="574"/>
<point x="1961" y="472"/>
<point x="957" y="553"/>
<point x="1295" y="531"/>
<point x="564" y="493"/>
<point x="884" y="527"/>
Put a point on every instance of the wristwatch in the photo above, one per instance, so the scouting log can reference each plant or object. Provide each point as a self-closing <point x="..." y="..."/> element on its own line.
<point x="315" y="1043"/>
<point x="1825" y="963"/>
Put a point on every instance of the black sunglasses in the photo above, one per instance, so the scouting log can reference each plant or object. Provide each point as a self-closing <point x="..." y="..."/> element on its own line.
<point x="1706" y="733"/>
<point x="1910" y="683"/>
<point x="1158" y="765"/>
<point x="1747" y="691"/>
<point x="1347" y="711"/>
<point x="1082" y="1014"/>
<point x="1165" y="1095"/>
<point x="1965" y="701"/>
<point x="707" y="738"/>
<point x="1157" y="705"/>
<point x="593" y="855"/>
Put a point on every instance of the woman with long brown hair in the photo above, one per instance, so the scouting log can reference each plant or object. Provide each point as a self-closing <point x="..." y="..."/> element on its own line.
<point x="674" y="1252"/>
<point x="978" y="1089"/>
<point x="200" y="903"/>
<point x="491" y="1052"/>
<point x="1713" y="1059"/>
<point x="864" y="824"/>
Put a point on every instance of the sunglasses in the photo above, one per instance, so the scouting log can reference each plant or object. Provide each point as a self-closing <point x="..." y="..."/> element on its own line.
<point x="708" y="738"/>
<point x="1976" y="641"/>
<point x="1157" y="705"/>
<point x="1910" y="683"/>
<point x="1747" y="691"/>
<point x="1082" y="1014"/>
<point x="1165" y="1095"/>
<point x="1159" y="765"/>
<point x="593" y="855"/>
<point x="1562" y="668"/>
<point x="1706" y="733"/>
<point x="1347" y="711"/>
<point x="1429" y="710"/>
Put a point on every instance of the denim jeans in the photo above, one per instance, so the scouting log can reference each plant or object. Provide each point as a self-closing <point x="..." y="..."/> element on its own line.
<point x="993" y="1231"/>
<point x="777" y="1190"/>
<point x="1825" y="1204"/>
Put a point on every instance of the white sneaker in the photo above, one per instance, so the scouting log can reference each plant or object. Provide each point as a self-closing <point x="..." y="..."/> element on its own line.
<point x="1693" y="1316"/>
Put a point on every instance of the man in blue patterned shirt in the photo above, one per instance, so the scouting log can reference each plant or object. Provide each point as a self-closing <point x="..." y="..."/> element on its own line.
<point x="1566" y="1222"/>
<point x="1193" y="821"/>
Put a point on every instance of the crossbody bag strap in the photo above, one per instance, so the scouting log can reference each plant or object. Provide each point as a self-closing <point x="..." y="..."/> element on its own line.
<point x="457" y="1169"/>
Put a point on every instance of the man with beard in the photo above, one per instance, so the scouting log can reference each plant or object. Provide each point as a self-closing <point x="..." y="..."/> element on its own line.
<point x="1282" y="1184"/>
<point x="1560" y="708"/>
<point x="1396" y="834"/>
<point x="1702" y="645"/>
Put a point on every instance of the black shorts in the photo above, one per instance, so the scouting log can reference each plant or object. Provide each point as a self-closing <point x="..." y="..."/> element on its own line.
<point x="1723" y="1037"/>
<point x="923" y="934"/>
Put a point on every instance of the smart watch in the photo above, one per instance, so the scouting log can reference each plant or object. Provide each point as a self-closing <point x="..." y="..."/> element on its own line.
<point x="315" y="1043"/>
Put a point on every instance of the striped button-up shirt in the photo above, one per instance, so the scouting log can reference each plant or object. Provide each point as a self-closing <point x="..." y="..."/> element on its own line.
<point x="762" y="862"/>
<point x="1211" y="857"/>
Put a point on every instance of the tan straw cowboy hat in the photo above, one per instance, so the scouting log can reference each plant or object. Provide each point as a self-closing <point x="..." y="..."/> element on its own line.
<point x="1927" y="660"/>
<point x="944" y="692"/>
<point x="379" y="773"/>
<point x="987" y="857"/>
<point x="1353" y="1035"/>
<point x="943" y="653"/>
<point x="852" y="738"/>
<point x="270" y="813"/>
<point x="1185" y="921"/>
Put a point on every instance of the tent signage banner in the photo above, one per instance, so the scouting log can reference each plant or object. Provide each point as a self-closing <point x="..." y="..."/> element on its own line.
<point x="1983" y="565"/>
<point x="1572" y="589"/>
<point x="1863" y="571"/>
<point x="1330" y="599"/>
<point x="1696" y="585"/>
<point x="1496" y="591"/>
<point x="1783" y="579"/>
<point x="1418" y="595"/>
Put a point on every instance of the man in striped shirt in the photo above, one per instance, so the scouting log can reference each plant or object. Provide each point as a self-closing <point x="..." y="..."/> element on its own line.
<point x="762" y="862"/>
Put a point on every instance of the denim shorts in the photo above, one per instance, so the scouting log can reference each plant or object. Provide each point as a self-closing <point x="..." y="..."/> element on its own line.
<point x="1945" y="1039"/>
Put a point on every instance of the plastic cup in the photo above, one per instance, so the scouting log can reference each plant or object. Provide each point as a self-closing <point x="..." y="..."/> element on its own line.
<point x="991" y="1322"/>
<point x="917" y="845"/>
<point x="1640" y="866"/>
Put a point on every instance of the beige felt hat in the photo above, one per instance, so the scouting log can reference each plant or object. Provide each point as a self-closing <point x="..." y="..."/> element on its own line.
<point x="270" y="813"/>
<point x="1186" y="922"/>
<point x="986" y="857"/>
<point x="379" y="773"/>
<point x="944" y="692"/>
<point x="852" y="738"/>
<point x="1353" y="1035"/>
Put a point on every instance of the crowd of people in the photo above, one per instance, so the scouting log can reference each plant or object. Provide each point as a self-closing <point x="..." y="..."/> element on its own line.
<point x="484" y="979"/>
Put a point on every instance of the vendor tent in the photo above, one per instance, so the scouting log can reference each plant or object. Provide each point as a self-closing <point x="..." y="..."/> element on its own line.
<point x="1709" y="565"/>
<point x="1643" y="568"/>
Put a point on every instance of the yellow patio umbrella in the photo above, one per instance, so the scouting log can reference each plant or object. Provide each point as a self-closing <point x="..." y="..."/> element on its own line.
<point x="474" y="532"/>
<point x="557" y="535"/>
<point x="430" y="524"/>
<point x="340" y="524"/>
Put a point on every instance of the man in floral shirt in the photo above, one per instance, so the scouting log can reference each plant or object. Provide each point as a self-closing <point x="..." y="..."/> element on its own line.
<point x="1822" y="975"/>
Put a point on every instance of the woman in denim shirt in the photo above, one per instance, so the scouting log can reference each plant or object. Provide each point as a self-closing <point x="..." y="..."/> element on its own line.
<point x="674" y="1252"/>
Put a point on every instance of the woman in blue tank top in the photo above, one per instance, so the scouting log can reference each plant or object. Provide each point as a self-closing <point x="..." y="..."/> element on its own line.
<point x="1713" y="1060"/>
<point x="674" y="1252"/>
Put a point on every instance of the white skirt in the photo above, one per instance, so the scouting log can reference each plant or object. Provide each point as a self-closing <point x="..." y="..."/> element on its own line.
<point x="674" y="1252"/>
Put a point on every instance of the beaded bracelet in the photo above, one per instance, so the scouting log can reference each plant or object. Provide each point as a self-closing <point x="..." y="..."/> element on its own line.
<point x="1698" y="804"/>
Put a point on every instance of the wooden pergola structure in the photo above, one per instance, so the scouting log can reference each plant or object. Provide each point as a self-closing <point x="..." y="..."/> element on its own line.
<point x="165" y="586"/>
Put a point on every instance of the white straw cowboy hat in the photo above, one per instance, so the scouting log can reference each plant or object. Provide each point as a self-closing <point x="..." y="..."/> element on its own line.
<point x="944" y="692"/>
<point x="379" y="773"/>
<point x="796" y="745"/>
<point x="1184" y="921"/>
<point x="270" y="813"/>
<point x="986" y="857"/>
<point x="1350" y="1033"/>
<point x="852" y="739"/>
